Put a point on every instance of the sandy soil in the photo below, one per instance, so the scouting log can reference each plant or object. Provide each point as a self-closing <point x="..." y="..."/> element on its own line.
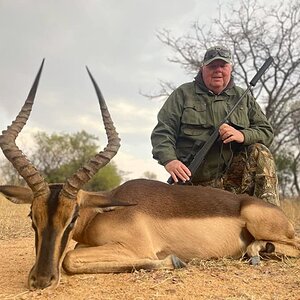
<point x="222" y="279"/>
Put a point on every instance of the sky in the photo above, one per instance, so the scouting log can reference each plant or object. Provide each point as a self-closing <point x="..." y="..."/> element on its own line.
<point x="117" y="40"/>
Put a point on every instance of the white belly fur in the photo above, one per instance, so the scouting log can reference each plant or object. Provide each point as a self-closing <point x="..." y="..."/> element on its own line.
<point x="206" y="238"/>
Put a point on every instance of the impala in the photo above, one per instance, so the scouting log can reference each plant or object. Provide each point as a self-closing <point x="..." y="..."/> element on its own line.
<point x="142" y="224"/>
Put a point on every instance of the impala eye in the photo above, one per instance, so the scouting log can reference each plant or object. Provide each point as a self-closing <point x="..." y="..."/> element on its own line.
<point x="72" y="223"/>
<point x="75" y="216"/>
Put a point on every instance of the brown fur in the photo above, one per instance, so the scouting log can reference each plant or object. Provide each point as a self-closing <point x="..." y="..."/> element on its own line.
<point x="140" y="224"/>
<point x="154" y="224"/>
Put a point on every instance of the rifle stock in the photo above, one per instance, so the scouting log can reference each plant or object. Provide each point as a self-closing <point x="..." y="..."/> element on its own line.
<point x="200" y="155"/>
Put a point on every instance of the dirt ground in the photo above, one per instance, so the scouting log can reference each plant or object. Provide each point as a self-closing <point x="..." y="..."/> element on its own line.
<point x="222" y="279"/>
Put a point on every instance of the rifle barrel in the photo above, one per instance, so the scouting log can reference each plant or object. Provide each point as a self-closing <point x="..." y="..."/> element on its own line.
<point x="200" y="155"/>
<point x="261" y="71"/>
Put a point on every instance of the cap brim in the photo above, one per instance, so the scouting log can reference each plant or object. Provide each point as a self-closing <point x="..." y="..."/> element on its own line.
<point x="228" y="60"/>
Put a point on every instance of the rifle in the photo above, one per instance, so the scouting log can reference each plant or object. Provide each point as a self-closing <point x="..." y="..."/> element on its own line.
<point x="200" y="155"/>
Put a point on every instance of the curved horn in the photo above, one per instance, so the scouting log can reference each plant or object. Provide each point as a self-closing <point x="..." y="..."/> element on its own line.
<point x="85" y="173"/>
<point x="8" y="144"/>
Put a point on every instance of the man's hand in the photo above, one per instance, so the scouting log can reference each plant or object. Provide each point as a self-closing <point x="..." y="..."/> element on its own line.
<point x="229" y="134"/>
<point x="178" y="170"/>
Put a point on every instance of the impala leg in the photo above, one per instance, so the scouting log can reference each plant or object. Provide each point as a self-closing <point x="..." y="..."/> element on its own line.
<point x="260" y="246"/>
<point x="270" y="228"/>
<point x="256" y="247"/>
<point x="277" y="248"/>
<point x="267" y="222"/>
<point x="113" y="259"/>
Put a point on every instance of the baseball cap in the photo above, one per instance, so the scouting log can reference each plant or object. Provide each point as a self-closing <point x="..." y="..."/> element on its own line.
<point x="217" y="52"/>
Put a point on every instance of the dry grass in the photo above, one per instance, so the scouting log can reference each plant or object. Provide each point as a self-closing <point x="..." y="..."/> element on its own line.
<point x="14" y="221"/>
<point x="291" y="207"/>
<point x="203" y="279"/>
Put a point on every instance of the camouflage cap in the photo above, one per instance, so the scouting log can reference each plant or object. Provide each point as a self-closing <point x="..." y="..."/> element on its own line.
<point x="217" y="52"/>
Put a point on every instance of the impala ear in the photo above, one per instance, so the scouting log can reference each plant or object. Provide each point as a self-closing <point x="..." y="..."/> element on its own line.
<point x="100" y="200"/>
<point x="17" y="194"/>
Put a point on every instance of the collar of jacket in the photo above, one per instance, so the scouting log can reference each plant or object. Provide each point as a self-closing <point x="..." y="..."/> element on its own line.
<point x="202" y="89"/>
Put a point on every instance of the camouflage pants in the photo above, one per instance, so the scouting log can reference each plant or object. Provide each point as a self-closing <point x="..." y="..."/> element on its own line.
<point x="252" y="172"/>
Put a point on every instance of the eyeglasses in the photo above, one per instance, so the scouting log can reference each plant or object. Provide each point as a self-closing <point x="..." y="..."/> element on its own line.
<point x="217" y="52"/>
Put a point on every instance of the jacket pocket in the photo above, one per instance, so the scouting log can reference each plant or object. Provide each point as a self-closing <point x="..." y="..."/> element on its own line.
<point x="194" y="114"/>
<point x="190" y="129"/>
<point x="239" y="118"/>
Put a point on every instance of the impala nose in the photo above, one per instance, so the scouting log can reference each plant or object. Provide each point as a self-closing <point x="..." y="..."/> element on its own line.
<point x="41" y="282"/>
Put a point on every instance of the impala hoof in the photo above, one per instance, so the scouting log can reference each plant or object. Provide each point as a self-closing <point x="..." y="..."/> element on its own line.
<point x="177" y="263"/>
<point x="254" y="260"/>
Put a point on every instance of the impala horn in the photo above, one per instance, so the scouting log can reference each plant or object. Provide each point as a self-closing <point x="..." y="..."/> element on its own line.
<point x="85" y="173"/>
<point x="8" y="144"/>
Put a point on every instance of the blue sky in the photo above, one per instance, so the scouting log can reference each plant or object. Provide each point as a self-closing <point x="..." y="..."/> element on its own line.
<point x="117" y="41"/>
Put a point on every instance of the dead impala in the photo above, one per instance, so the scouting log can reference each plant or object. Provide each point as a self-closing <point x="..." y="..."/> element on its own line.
<point x="142" y="224"/>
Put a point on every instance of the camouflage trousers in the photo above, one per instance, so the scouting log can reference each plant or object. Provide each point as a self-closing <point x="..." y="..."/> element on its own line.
<point x="253" y="172"/>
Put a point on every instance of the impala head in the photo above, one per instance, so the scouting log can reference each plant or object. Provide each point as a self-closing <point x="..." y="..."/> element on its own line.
<point x="54" y="208"/>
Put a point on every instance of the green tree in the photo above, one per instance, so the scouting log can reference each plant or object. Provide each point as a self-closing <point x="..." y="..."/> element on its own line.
<point x="58" y="156"/>
<point x="105" y="179"/>
<point x="150" y="175"/>
<point x="9" y="175"/>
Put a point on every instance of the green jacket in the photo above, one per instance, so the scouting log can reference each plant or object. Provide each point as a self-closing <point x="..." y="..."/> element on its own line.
<point x="188" y="118"/>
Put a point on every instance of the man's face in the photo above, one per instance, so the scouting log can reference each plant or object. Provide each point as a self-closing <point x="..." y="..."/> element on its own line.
<point x="216" y="75"/>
